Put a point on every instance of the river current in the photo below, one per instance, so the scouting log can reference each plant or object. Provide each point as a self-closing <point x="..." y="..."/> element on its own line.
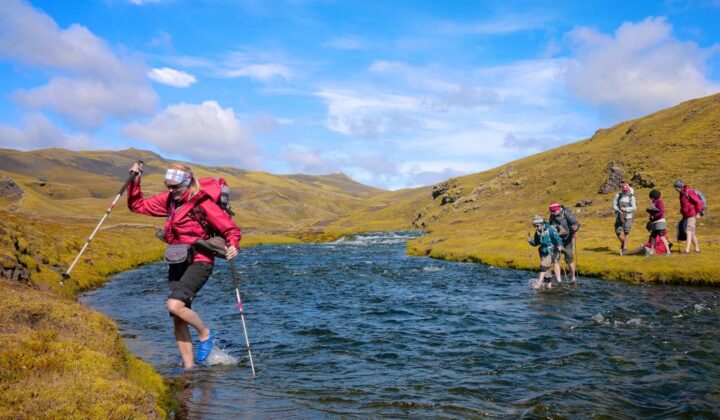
<point x="357" y="328"/>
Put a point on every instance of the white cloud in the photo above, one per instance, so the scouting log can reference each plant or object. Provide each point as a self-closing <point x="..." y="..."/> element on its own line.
<point x="38" y="132"/>
<point x="202" y="133"/>
<point x="263" y="66"/>
<point x="172" y="77"/>
<point x="261" y="72"/>
<point x="90" y="101"/>
<point x="639" y="69"/>
<point x="93" y="83"/>
<point x="368" y="114"/>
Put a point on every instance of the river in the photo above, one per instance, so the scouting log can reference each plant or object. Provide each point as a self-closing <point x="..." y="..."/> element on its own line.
<point x="357" y="328"/>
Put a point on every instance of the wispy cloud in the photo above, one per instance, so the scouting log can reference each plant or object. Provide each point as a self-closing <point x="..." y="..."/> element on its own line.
<point x="502" y="25"/>
<point x="350" y="42"/>
<point x="143" y="2"/>
<point x="260" y="66"/>
<point x="172" y="77"/>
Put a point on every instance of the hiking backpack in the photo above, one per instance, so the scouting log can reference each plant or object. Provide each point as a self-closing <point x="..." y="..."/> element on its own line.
<point x="702" y="198"/>
<point x="219" y="192"/>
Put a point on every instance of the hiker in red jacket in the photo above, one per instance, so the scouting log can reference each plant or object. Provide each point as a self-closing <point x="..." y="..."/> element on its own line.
<point x="657" y="225"/>
<point x="690" y="208"/>
<point x="189" y="269"/>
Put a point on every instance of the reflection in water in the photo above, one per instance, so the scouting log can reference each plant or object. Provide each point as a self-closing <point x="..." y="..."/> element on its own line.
<point x="358" y="328"/>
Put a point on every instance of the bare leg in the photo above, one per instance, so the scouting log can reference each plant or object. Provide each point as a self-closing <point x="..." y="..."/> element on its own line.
<point x="667" y="245"/>
<point x="179" y="310"/>
<point x="573" y="279"/>
<point x="556" y="268"/>
<point x="184" y="342"/>
<point x="692" y="238"/>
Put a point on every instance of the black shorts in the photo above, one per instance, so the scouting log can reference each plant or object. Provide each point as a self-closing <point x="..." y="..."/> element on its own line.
<point x="185" y="280"/>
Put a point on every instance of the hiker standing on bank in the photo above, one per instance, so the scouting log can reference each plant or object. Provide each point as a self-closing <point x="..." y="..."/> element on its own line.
<point x="624" y="205"/>
<point x="182" y="229"/>
<point x="690" y="208"/>
<point x="658" y="224"/>
<point x="549" y="247"/>
<point x="567" y="225"/>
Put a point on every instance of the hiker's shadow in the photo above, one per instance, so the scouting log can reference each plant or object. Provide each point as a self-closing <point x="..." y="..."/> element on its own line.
<point x="603" y="249"/>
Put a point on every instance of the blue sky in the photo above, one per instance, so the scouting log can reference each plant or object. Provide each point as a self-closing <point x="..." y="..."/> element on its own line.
<point x="392" y="93"/>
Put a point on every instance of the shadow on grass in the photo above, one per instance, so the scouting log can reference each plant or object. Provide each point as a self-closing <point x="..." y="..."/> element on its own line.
<point x="604" y="249"/>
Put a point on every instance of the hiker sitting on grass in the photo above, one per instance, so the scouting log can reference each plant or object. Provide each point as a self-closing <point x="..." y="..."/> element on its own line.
<point x="549" y="247"/>
<point x="624" y="205"/>
<point x="657" y="225"/>
<point x="648" y="251"/>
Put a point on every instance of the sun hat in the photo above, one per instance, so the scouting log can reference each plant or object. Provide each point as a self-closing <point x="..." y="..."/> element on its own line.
<point x="554" y="205"/>
<point x="538" y="220"/>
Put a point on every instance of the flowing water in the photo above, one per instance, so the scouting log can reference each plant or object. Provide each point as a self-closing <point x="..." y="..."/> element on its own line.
<point x="358" y="329"/>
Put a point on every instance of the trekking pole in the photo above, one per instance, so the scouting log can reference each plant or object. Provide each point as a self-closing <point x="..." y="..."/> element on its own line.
<point x="66" y="274"/>
<point x="575" y="256"/>
<point x="240" y="308"/>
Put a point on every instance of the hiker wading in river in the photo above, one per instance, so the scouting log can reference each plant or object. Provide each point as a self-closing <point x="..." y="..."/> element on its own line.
<point x="188" y="208"/>
<point x="624" y="205"/>
<point x="567" y="225"/>
<point x="549" y="247"/>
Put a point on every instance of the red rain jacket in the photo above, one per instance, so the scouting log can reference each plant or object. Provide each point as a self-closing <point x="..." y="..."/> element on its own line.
<point x="181" y="227"/>
<point x="690" y="204"/>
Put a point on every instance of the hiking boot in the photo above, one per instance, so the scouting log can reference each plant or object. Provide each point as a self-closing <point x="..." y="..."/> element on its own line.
<point x="205" y="347"/>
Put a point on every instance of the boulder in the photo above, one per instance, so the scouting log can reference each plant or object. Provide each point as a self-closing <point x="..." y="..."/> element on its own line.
<point x="9" y="189"/>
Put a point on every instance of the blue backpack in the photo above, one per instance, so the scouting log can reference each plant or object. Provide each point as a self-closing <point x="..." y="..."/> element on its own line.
<point x="702" y="198"/>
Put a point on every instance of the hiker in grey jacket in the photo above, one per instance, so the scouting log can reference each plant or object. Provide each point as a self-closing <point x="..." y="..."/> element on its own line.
<point x="567" y="225"/>
<point x="624" y="205"/>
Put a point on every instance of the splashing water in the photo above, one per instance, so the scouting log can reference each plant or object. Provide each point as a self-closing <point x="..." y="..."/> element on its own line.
<point x="220" y="356"/>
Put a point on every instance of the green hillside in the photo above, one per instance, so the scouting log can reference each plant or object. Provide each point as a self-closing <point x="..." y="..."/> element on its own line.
<point x="485" y="216"/>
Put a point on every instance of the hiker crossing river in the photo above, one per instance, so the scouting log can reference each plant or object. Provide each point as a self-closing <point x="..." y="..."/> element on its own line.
<point x="358" y="328"/>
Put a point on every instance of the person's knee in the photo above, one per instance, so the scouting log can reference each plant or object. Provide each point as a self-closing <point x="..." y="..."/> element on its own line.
<point x="175" y="306"/>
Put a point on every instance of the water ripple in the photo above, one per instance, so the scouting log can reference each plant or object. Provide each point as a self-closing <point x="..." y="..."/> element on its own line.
<point x="359" y="329"/>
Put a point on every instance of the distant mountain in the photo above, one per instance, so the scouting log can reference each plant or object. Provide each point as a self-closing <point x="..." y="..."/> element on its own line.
<point x="57" y="182"/>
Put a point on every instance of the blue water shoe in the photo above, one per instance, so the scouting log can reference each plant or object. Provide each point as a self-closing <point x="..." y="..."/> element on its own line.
<point x="205" y="347"/>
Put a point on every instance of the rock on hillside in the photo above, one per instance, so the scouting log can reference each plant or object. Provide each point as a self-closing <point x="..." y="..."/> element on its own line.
<point x="9" y="189"/>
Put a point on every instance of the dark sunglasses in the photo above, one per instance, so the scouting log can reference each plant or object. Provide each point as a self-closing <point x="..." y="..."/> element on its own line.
<point x="174" y="187"/>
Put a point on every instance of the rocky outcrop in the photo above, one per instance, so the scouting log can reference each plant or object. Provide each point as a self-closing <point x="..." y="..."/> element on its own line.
<point x="440" y="189"/>
<point x="641" y="181"/>
<point x="616" y="177"/>
<point x="9" y="189"/>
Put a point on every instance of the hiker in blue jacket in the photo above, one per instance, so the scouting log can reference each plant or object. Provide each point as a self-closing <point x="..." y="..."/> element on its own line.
<point x="549" y="246"/>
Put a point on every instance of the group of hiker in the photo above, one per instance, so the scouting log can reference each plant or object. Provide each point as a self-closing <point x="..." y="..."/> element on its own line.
<point x="555" y="238"/>
<point x="197" y="213"/>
